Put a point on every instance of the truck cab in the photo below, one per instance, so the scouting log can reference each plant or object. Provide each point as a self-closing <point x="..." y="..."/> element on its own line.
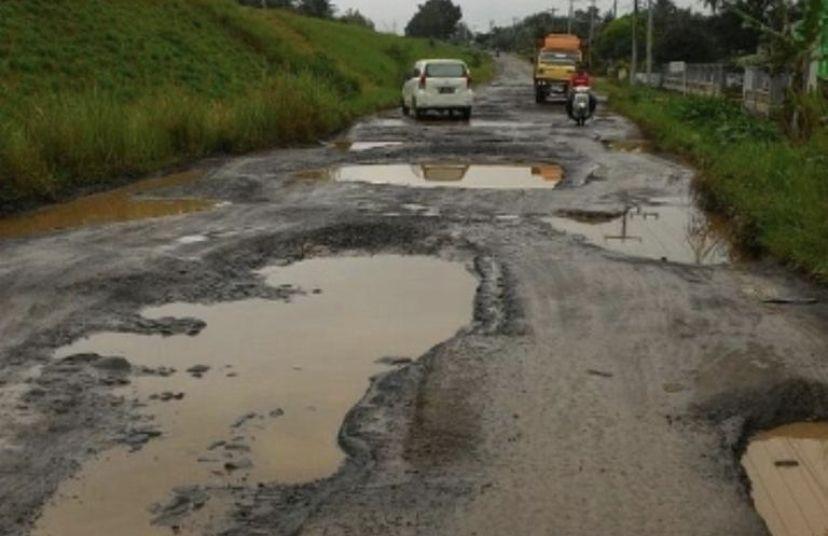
<point x="552" y="73"/>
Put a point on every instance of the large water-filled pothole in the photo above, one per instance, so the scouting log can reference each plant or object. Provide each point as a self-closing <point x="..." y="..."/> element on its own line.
<point x="261" y="393"/>
<point x="117" y="205"/>
<point x="788" y="471"/>
<point x="360" y="146"/>
<point x="446" y="175"/>
<point x="674" y="231"/>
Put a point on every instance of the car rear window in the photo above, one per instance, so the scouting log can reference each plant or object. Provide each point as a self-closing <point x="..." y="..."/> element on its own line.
<point x="445" y="70"/>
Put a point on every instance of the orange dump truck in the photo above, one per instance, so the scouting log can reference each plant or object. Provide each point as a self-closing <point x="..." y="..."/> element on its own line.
<point x="557" y="58"/>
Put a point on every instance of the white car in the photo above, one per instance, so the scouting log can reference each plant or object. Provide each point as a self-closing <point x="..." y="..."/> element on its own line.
<point x="439" y="85"/>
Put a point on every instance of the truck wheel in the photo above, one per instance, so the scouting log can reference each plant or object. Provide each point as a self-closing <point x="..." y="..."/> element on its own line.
<point x="539" y="96"/>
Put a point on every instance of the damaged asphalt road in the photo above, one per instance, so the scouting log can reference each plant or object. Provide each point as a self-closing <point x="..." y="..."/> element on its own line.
<point x="595" y="390"/>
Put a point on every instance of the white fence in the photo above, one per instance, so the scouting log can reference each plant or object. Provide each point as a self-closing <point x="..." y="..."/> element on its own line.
<point x="761" y="93"/>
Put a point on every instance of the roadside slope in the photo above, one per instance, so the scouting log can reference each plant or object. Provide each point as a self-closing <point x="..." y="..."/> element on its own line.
<point x="94" y="90"/>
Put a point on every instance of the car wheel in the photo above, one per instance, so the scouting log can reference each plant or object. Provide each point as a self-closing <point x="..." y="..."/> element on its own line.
<point x="467" y="113"/>
<point x="539" y="97"/>
<point x="419" y="113"/>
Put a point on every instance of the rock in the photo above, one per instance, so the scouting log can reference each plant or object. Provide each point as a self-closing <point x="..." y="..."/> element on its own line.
<point x="83" y="358"/>
<point x="244" y="463"/>
<point x="394" y="361"/>
<point x="243" y="419"/>
<point x="197" y="371"/>
<point x="112" y="364"/>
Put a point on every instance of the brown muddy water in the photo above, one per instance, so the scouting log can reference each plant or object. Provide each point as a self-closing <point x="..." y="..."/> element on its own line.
<point x="117" y="205"/>
<point x="281" y="378"/>
<point x="788" y="471"/>
<point x="671" y="230"/>
<point x="446" y="175"/>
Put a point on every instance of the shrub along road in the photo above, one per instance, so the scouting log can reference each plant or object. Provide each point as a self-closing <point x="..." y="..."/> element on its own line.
<point x="601" y="388"/>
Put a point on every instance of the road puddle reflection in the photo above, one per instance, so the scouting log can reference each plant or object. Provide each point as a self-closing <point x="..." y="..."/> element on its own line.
<point x="117" y="205"/>
<point x="261" y="393"/>
<point x="360" y="146"/>
<point x="446" y="175"/>
<point x="675" y="232"/>
<point x="788" y="471"/>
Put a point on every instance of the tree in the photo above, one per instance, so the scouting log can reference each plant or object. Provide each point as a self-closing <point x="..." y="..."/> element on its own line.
<point x="436" y="19"/>
<point x="793" y="36"/>
<point x="353" y="16"/>
<point x="323" y="9"/>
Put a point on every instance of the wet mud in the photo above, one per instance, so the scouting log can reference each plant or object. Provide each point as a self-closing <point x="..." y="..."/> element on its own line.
<point x="123" y="204"/>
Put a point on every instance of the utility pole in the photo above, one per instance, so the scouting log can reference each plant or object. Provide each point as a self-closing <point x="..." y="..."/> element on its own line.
<point x="553" y="11"/>
<point x="649" y="42"/>
<point x="571" y="13"/>
<point x="615" y="9"/>
<point x="592" y="9"/>
<point x="634" y="63"/>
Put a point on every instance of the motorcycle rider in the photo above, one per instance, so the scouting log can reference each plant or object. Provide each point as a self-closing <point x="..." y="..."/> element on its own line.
<point x="580" y="78"/>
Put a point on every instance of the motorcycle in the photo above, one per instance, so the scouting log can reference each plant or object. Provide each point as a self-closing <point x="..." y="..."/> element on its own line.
<point x="581" y="105"/>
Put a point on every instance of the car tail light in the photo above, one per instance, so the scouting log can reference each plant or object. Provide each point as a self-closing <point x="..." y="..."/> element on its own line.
<point x="423" y="81"/>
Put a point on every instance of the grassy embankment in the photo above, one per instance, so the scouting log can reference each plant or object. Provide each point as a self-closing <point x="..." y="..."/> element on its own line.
<point x="94" y="90"/>
<point x="774" y="191"/>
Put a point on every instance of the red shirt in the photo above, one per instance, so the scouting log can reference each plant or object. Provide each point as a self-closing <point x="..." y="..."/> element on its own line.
<point x="579" y="79"/>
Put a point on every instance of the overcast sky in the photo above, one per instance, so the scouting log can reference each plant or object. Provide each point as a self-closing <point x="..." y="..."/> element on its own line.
<point x="476" y="13"/>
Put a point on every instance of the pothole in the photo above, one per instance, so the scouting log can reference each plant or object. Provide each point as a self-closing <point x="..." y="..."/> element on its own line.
<point x="630" y="146"/>
<point x="674" y="232"/>
<point x="788" y="471"/>
<point x="260" y="394"/>
<point x="360" y="146"/>
<point x="445" y="175"/>
<point x="117" y="205"/>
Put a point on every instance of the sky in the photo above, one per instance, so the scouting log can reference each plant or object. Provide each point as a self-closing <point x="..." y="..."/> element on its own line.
<point x="476" y="13"/>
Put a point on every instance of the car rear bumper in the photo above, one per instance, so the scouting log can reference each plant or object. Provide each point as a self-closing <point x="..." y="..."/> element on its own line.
<point x="427" y="99"/>
<point x="552" y="85"/>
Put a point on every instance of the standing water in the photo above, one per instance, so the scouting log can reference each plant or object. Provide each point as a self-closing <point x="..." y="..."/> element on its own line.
<point x="271" y="386"/>
<point x="788" y="471"/>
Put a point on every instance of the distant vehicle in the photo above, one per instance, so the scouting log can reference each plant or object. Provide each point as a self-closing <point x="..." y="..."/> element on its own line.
<point x="438" y="85"/>
<point x="555" y="62"/>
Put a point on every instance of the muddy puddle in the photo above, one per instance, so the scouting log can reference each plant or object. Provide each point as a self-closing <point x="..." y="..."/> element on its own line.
<point x="117" y="205"/>
<point x="360" y="146"/>
<point x="788" y="471"/>
<point x="630" y="146"/>
<point x="446" y="175"/>
<point x="260" y="394"/>
<point x="673" y="230"/>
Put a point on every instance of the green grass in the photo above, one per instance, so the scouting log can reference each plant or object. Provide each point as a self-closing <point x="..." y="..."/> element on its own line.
<point x="94" y="90"/>
<point x="774" y="191"/>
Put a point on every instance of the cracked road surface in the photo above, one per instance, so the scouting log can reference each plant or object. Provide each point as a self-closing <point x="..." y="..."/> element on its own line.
<point x="595" y="390"/>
